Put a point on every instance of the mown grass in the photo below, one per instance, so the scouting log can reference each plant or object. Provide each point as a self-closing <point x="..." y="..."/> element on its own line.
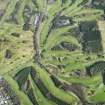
<point x="22" y="49"/>
<point x="39" y="96"/>
<point x="99" y="95"/>
<point x="22" y="97"/>
<point x="59" y="93"/>
<point x="82" y="80"/>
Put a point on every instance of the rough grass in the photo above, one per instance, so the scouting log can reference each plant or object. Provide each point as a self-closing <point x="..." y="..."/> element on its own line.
<point x="101" y="26"/>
